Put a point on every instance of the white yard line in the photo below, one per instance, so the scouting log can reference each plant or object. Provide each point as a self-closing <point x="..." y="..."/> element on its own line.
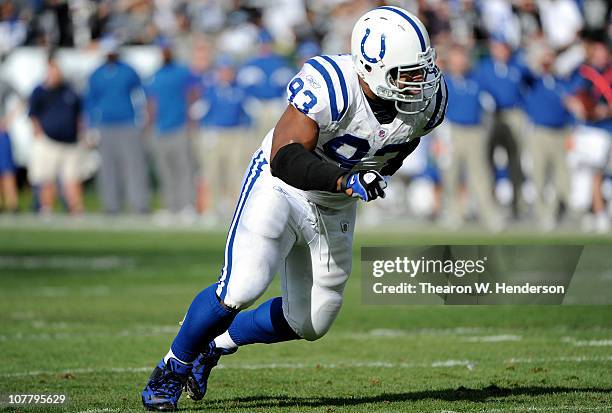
<point x="593" y="343"/>
<point x="574" y="359"/>
<point x="367" y="364"/>
<point x="147" y="331"/>
<point x="493" y="339"/>
<point x="465" y="334"/>
<point x="388" y="332"/>
<point x="546" y="409"/>
<point x="94" y="262"/>
<point x="77" y="371"/>
<point x="587" y="343"/>
<point x="172" y="329"/>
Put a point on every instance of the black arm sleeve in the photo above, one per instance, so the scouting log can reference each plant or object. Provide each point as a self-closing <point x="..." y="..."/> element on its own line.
<point x="302" y="169"/>
<point x="395" y="163"/>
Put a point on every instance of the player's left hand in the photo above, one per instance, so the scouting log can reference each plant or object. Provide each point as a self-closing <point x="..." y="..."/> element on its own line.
<point x="367" y="185"/>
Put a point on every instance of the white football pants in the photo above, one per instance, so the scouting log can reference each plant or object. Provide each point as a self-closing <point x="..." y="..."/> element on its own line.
<point x="276" y="229"/>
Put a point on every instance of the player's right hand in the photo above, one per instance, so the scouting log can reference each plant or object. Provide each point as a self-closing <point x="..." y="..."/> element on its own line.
<point x="367" y="185"/>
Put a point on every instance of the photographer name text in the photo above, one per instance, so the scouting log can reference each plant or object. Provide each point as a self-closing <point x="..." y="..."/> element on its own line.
<point x="473" y="289"/>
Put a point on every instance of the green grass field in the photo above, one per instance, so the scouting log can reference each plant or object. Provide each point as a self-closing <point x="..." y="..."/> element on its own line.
<point x="89" y="313"/>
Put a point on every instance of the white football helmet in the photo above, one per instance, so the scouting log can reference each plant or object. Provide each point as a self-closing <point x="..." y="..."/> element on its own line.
<point x="392" y="54"/>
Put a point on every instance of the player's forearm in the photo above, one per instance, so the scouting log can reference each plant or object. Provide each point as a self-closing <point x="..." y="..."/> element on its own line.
<point x="302" y="169"/>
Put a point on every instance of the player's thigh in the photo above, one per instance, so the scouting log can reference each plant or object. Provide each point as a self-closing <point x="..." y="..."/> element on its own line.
<point x="259" y="238"/>
<point x="315" y="275"/>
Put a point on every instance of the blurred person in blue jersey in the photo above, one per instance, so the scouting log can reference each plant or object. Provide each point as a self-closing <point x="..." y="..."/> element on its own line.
<point x="501" y="75"/>
<point x="591" y="104"/>
<point x="548" y="122"/>
<point x="201" y="66"/>
<point x="224" y="137"/>
<point x="111" y="111"/>
<point x="168" y="93"/>
<point x="8" y="182"/>
<point x="306" y="50"/>
<point x="55" y="111"/>
<point x="13" y="27"/>
<point x="202" y="77"/>
<point x="264" y="78"/>
<point x="468" y="143"/>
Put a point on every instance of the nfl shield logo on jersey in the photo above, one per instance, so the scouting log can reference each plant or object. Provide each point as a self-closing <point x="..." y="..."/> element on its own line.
<point x="344" y="226"/>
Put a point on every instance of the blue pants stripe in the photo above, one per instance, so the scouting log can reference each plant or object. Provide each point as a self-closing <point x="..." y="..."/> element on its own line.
<point x="255" y="170"/>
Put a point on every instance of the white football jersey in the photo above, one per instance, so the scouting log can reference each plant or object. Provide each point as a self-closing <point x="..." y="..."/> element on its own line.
<point x="327" y="90"/>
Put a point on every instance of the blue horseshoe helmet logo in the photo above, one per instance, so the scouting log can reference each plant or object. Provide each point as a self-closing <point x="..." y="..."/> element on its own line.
<point x="383" y="48"/>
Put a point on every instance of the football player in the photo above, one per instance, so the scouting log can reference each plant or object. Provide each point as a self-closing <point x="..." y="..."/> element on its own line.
<point x="350" y="122"/>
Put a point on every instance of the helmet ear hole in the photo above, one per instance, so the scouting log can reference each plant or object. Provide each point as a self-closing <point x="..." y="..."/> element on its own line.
<point x="368" y="68"/>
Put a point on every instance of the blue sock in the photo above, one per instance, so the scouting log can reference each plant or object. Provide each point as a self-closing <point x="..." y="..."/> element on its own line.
<point x="265" y="324"/>
<point x="205" y="320"/>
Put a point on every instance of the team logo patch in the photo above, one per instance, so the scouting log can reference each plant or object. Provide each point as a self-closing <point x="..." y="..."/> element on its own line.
<point x="312" y="82"/>
<point x="383" y="48"/>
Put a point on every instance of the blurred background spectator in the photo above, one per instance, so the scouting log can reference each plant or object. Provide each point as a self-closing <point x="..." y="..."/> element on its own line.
<point x="13" y="30"/>
<point x="264" y="79"/>
<point x="112" y="113"/>
<point x="225" y="143"/>
<point x="55" y="112"/>
<point x="468" y="153"/>
<point x="169" y="95"/>
<point x="537" y="84"/>
<point x="201" y="58"/>
<point x="501" y="76"/>
<point x="591" y="104"/>
<point x="8" y="183"/>
<point x="549" y="118"/>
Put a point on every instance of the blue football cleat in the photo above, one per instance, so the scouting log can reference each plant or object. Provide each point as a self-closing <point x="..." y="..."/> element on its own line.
<point x="165" y="386"/>
<point x="198" y="377"/>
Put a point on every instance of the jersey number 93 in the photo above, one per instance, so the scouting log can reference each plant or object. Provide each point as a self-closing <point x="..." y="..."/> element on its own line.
<point x="306" y="100"/>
